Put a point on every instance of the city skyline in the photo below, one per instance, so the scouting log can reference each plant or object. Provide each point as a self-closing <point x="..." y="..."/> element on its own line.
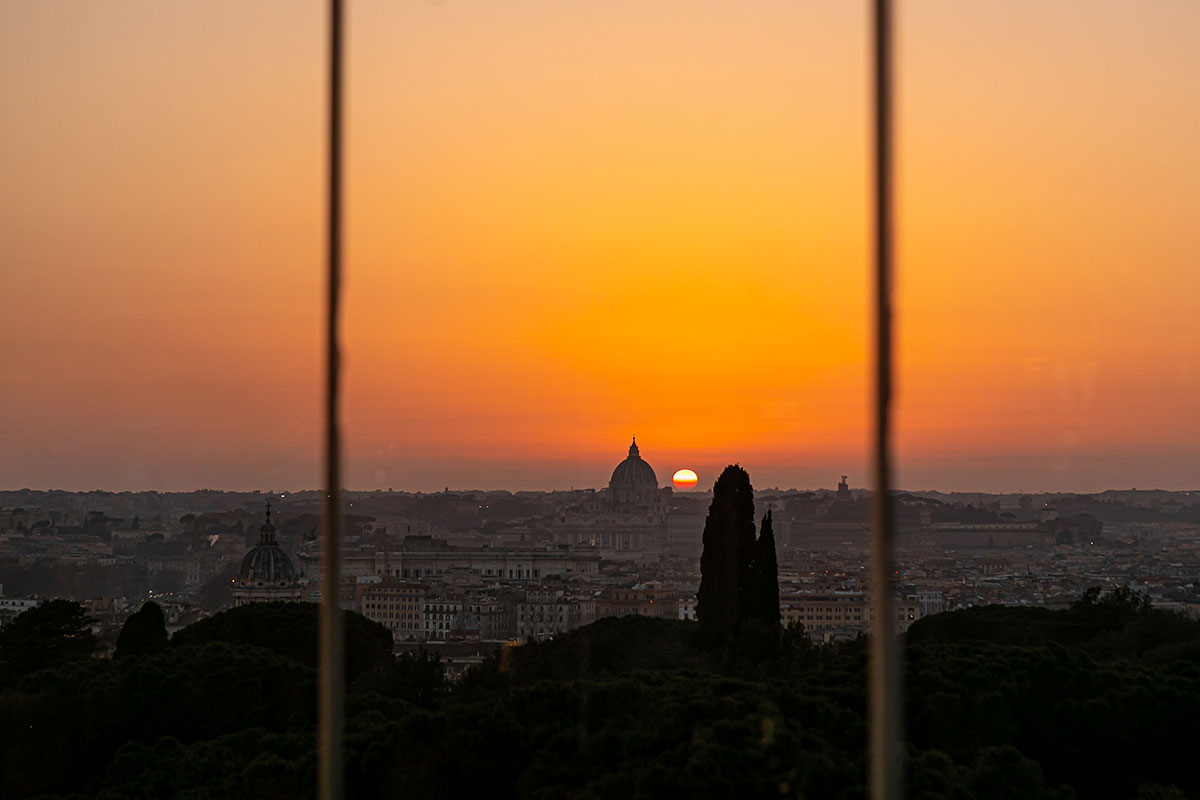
<point x="595" y="474"/>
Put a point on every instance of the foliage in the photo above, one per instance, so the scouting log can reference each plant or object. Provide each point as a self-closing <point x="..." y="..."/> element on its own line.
<point x="416" y="678"/>
<point x="1155" y="791"/>
<point x="217" y="592"/>
<point x="1101" y="695"/>
<point x="739" y="575"/>
<point x="62" y="726"/>
<point x="290" y="629"/>
<point x="1120" y="623"/>
<point x="728" y="540"/>
<point x="764" y="577"/>
<point x="55" y="633"/>
<point x="996" y="773"/>
<point x="248" y="763"/>
<point x="1096" y="701"/>
<point x="144" y="633"/>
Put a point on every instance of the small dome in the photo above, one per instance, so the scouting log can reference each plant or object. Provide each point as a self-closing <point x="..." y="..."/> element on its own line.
<point x="267" y="562"/>
<point x="633" y="472"/>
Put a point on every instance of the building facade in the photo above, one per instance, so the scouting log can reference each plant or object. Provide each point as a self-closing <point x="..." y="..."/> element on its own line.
<point x="845" y="614"/>
<point x="543" y="613"/>
<point x="397" y="605"/>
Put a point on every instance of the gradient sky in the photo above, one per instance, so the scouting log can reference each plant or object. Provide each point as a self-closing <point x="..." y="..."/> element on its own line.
<point x="573" y="222"/>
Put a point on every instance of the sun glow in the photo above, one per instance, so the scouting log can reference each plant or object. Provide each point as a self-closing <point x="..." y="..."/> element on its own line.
<point x="616" y="241"/>
<point x="684" y="479"/>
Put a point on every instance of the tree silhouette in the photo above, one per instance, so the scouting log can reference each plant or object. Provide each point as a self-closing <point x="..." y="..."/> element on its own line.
<point x="1002" y="704"/>
<point x="144" y="633"/>
<point x="764" y="577"/>
<point x="727" y="556"/>
<point x="50" y="635"/>
<point x="290" y="629"/>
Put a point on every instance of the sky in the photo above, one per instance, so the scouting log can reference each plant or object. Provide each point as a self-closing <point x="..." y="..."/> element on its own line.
<point x="569" y="223"/>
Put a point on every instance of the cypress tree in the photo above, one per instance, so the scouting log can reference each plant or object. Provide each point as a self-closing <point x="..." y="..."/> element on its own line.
<point x="727" y="557"/>
<point x="766" y="576"/>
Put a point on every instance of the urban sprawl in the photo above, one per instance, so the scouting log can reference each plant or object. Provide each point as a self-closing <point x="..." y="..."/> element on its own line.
<point x="463" y="572"/>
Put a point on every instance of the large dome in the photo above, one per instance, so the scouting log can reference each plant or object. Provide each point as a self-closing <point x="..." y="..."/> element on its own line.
<point x="634" y="484"/>
<point x="633" y="472"/>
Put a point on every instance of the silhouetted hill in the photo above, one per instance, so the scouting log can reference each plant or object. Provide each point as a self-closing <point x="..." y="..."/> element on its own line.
<point x="291" y="630"/>
<point x="1120" y="624"/>
<point x="608" y="647"/>
<point x="1096" y="701"/>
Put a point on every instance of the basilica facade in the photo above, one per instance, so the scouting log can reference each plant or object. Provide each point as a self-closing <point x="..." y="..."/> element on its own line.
<point x="629" y="517"/>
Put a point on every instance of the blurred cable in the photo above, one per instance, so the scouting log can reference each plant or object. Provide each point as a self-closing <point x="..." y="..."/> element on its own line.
<point x="887" y="699"/>
<point x="332" y="684"/>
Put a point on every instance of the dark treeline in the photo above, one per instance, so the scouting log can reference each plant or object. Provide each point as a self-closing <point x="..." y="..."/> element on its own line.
<point x="1096" y="701"/>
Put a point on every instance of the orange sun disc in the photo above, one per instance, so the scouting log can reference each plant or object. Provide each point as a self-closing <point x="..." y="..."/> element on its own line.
<point x="684" y="479"/>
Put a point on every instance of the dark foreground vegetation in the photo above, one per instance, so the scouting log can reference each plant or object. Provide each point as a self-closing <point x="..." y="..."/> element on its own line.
<point x="1098" y="701"/>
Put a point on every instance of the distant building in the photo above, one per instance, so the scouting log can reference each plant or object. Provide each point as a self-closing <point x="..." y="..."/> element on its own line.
<point x="421" y="557"/>
<point x="843" y="489"/>
<point x="13" y="607"/>
<point x="267" y="573"/>
<point x="544" y="613"/>
<point x="633" y="517"/>
<point x="416" y="611"/>
<point x="845" y="614"/>
<point x="633" y="483"/>
<point x="687" y="607"/>
<point x="438" y="615"/>
<point x="397" y="605"/>
<point x="464" y="627"/>
<point x="651" y="599"/>
<point x="497" y="615"/>
<point x="685" y="533"/>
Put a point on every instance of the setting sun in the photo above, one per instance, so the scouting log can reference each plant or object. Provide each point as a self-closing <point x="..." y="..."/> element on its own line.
<point x="684" y="479"/>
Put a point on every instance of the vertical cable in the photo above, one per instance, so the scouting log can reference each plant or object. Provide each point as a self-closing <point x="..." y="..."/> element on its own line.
<point x="332" y="687"/>
<point x="886" y="699"/>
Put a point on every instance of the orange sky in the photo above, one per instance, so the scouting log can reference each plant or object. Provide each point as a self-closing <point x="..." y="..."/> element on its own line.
<point x="572" y="222"/>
